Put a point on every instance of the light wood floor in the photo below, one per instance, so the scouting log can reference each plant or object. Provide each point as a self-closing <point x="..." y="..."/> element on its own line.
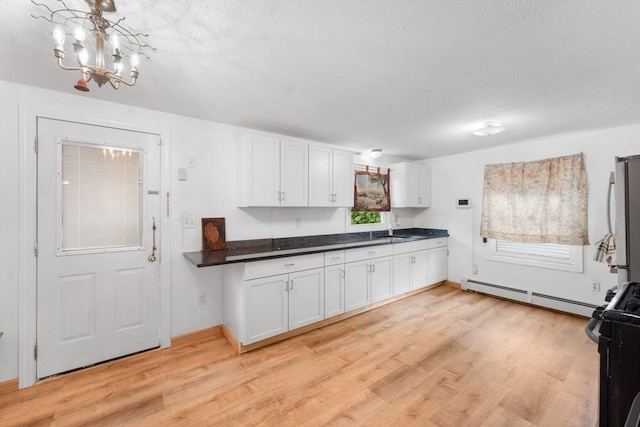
<point x="440" y="358"/>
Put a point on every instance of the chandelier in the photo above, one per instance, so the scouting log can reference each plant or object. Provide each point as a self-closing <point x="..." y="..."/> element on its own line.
<point x="104" y="37"/>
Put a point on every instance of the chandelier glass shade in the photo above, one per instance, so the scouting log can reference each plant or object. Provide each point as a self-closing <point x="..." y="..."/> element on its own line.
<point x="99" y="44"/>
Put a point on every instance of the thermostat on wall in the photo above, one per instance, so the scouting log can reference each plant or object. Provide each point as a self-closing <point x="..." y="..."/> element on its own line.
<point x="463" y="203"/>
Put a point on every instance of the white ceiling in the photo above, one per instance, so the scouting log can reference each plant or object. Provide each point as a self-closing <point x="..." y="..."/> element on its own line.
<point x="411" y="77"/>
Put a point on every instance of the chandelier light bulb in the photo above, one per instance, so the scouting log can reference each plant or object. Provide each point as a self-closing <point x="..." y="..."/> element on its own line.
<point x="79" y="34"/>
<point x="115" y="42"/>
<point x="135" y="61"/>
<point x="58" y="36"/>
<point x="83" y="56"/>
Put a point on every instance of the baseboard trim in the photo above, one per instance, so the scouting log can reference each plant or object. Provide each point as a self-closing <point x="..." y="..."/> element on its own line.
<point x="8" y="386"/>
<point x="189" y="337"/>
<point x="454" y="285"/>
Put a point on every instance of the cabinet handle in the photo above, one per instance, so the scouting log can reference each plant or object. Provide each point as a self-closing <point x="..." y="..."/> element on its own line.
<point x="286" y="286"/>
<point x="282" y="196"/>
<point x="373" y="268"/>
<point x="371" y="253"/>
<point x="291" y="285"/>
<point x="290" y="264"/>
<point x="342" y="273"/>
<point x="277" y="195"/>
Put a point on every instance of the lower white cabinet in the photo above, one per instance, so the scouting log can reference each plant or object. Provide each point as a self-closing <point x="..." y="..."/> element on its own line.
<point x="368" y="276"/>
<point x="266" y="298"/>
<point x="334" y="276"/>
<point x="278" y="304"/>
<point x="258" y="307"/>
<point x="437" y="260"/>
<point x="409" y="266"/>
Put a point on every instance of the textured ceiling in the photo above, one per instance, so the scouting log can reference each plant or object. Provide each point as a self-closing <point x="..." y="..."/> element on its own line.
<point x="411" y="77"/>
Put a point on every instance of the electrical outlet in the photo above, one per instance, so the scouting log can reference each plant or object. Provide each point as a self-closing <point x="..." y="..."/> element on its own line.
<point x="202" y="299"/>
<point x="595" y="285"/>
<point x="187" y="222"/>
<point x="474" y="269"/>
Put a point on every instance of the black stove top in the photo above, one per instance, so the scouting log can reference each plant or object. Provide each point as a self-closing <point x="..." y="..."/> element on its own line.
<point x="625" y="306"/>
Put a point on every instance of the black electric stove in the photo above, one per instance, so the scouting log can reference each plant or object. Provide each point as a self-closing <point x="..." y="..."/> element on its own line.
<point x="619" y="348"/>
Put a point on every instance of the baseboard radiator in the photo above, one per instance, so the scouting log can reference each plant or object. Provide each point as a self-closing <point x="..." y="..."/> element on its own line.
<point x="548" y="301"/>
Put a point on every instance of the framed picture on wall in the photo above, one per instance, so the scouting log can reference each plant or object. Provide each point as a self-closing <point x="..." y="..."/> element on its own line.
<point x="371" y="192"/>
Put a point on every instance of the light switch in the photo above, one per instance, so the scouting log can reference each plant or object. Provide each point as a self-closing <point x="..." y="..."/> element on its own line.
<point x="182" y="174"/>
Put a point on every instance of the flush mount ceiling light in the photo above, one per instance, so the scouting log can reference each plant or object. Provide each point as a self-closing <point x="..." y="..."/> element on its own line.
<point x="489" y="129"/>
<point x="376" y="153"/>
<point x="107" y="37"/>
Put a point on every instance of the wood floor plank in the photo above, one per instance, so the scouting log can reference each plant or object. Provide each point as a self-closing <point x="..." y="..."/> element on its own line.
<point x="440" y="358"/>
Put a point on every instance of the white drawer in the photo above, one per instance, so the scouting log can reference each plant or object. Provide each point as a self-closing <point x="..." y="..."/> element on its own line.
<point x="272" y="267"/>
<point x="438" y="242"/>
<point x="403" y="248"/>
<point x="334" y="257"/>
<point x="368" y="252"/>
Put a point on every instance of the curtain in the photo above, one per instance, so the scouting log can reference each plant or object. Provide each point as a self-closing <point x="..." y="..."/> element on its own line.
<point x="543" y="201"/>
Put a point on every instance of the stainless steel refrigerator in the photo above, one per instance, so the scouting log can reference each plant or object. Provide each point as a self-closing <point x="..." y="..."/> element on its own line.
<point x="627" y="219"/>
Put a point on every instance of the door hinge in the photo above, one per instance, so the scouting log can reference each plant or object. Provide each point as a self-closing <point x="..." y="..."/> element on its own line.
<point x="168" y="201"/>
<point x="35" y="144"/>
<point x="35" y="249"/>
<point x="35" y="351"/>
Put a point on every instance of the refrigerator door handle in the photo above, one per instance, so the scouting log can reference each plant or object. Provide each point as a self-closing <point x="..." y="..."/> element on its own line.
<point x="612" y="181"/>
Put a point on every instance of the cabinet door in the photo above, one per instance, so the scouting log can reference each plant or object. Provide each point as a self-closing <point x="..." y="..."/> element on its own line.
<point x="333" y="290"/>
<point x="381" y="279"/>
<point x="343" y="176"/>
<point x="419" y="269"/>
<point x="266" y="308"/>
<point x="356" y="285"/>
<point x="402" y="264"/>
<point x="424" y="186"/>
<point x="293" y="173"/>
<point x="262" y="169"/>
<point x="437" y="268"/>
<point x="412" y="184"/>
<point x="320" y="185"/>
<point x="306" y="297"/>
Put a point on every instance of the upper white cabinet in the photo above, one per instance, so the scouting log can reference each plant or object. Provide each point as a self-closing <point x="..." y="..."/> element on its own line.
<point x="272" y="171"/>
<point x="410" y="185"/>
<point x="330" y="177"/>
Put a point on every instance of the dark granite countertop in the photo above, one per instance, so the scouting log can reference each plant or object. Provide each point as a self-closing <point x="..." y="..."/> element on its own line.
<point x="261" y="249"/>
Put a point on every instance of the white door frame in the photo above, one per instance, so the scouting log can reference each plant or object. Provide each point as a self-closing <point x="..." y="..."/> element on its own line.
<point x="27" y="199"/>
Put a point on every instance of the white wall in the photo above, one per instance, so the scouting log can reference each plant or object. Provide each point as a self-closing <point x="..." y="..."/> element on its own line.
<point x="461" y="176"/>
<point x="208" y="192"/>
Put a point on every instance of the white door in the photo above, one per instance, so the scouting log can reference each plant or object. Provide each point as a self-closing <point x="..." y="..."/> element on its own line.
<point x="98" y="290"/>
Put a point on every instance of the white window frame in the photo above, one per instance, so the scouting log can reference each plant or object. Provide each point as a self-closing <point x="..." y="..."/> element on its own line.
<point x="573" y="262"/>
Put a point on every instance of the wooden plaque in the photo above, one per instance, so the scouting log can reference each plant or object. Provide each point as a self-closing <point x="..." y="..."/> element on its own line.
<point x="213" y="234"/>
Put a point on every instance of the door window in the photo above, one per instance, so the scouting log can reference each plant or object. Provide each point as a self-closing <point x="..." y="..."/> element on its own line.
<point x="101" y="198"/>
